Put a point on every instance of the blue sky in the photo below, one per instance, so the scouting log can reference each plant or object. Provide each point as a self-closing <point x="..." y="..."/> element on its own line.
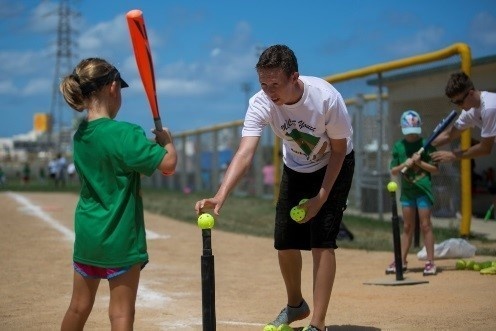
<point x="204" y="51"/>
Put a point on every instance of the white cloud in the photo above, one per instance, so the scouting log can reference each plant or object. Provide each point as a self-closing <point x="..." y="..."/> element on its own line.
<point x="33" y="87"/>
<point x="38" y="87"/>
<point x="105" y="37"/>
<point x="112" y="36"/>
<point x="9" y="9"/>
<point x="20" y="63"/>
<point x="483" y="29"/>
<point x="44" y="17"/>
<point x="7" y="87"/>
<point x="215" y="52"/>
<point x="182" y="87"/>
<point x="422" y="41"/>
<point x="231" y="59"/>
<point x="173" y="87"/>
<point x="229" y="62"/>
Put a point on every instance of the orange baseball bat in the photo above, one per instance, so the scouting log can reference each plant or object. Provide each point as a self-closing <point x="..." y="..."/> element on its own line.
<point x="143" y="56"/>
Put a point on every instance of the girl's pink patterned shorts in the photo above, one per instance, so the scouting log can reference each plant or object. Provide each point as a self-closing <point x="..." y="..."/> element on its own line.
<point x="89" y="271"/>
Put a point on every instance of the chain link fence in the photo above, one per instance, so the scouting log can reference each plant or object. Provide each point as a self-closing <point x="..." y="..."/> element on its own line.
<point x="375" y="97"/>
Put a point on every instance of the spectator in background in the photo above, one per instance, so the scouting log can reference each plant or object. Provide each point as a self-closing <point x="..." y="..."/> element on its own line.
<point x="52" y="170"/>
<point x="41" y="174"/>
<point x="26" y="173"/>
<point x="61" y="169"/>
<point x="268" y="172"/>
<point x="71" y="171"/>
<point x="2" y="176"/>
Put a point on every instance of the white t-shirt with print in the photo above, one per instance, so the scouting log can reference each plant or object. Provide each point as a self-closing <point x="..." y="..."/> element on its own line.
<point x="483" y="117"/>
<point x="306" y="126"/>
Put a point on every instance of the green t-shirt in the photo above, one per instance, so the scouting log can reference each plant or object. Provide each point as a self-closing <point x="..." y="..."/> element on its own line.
<point x="416" y="181"/>
<point x="109" y="224"/>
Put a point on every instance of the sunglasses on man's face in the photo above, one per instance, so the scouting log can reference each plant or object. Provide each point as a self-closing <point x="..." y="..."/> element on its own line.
<point x="460" y="102"/>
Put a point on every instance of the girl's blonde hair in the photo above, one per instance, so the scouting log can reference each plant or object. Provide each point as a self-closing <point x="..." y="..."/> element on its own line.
<point x="84" y="81"/>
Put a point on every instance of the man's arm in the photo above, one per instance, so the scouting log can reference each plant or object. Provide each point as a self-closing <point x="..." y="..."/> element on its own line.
<point x="338" y="153"/>
<point x="484" y="147"/>
<point x="447" y="136"/>
<point x="237" y="169"/>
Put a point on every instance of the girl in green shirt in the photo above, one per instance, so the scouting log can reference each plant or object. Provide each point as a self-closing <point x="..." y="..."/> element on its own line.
<point x="416" y="188"/>
<point x="109" y="157"/>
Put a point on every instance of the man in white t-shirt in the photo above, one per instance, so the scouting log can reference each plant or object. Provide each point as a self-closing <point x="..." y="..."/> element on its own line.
<point x="311" y="118"/>
<point x="478" y="110"/>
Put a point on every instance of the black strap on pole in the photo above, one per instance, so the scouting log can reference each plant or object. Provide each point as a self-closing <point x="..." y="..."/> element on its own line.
<point x="208" y="283"/>
<point x="398" y="262"/>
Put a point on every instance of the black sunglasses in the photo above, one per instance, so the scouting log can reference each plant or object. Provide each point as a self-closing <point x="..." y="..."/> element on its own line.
<point x="460" y="102"/>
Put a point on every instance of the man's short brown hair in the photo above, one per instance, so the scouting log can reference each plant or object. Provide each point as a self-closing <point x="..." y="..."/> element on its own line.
<point x="278" y="57"/>
<point x="458" y="83"/>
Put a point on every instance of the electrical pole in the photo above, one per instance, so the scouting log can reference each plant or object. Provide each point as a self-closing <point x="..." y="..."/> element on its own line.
<point x="246" y="88"/>
<point x="63" y="65"/>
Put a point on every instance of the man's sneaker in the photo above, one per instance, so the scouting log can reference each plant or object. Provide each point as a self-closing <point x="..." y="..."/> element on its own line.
<point x="430" y="269"/>
<point x="287" y="316"/>
<point x="391" y="269"/>
<point x="311" y="328"/>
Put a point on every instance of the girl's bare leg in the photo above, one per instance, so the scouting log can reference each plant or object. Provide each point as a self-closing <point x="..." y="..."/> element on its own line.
<point x="83" y="297"/>
<point x="123" y="291"/>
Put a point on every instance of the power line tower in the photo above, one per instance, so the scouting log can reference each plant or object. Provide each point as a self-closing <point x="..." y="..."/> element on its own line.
<point x="63" y="65"/>
<point x="246" y="86"/>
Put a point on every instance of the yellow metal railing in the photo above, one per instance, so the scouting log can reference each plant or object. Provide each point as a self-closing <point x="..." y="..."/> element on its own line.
<point x="463" y="51"/>
<point x="460" y="49"/>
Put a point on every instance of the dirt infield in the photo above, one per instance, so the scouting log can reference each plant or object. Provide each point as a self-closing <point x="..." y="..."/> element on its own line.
<point x="36" y="273"/>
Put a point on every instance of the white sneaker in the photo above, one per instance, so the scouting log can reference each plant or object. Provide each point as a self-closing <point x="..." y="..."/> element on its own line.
<point x="430" y="269"/>
<point x="391" y="269"/>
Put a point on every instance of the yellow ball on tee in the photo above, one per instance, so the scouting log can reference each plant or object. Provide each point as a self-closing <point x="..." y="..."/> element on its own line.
<point x="392" y="186"/>
<point x="205" y="221"/>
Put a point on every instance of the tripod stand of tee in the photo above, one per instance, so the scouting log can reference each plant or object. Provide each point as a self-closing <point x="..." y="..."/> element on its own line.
<point x="399" y="277"/>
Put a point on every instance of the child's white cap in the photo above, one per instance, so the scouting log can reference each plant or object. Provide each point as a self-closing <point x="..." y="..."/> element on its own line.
<point x="411" y="122"/>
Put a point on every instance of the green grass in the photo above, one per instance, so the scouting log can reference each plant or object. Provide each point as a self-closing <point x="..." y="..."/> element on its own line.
<point x="36" y="186"/>
<point x="255" y="216"/>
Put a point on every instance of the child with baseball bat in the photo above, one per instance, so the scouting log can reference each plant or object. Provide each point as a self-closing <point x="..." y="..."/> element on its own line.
<point x="110" y="157"/>
<point x="416" y="188"/>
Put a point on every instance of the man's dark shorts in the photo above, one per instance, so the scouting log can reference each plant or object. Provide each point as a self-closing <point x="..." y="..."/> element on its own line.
<point x="321" y="231"/>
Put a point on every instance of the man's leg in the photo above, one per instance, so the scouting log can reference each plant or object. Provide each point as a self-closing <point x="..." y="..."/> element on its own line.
<point x="324" y="271"/>
<point x="290" y="263"/>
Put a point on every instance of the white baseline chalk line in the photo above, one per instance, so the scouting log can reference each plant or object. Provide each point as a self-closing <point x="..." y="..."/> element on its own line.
<point x="194" y="322"/>
<point x="37" y="211"/>
<point x="147" y="297"/>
